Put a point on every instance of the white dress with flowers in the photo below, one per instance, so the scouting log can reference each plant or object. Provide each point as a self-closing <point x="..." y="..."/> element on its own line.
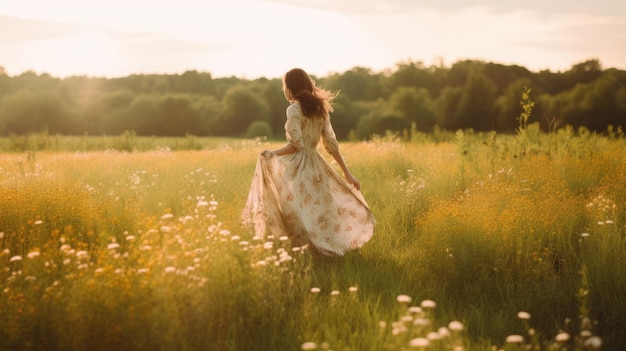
<point x="301" y="196"/>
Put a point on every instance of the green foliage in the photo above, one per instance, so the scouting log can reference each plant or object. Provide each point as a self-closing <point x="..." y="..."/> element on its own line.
<point x="469" y="94"/>
<point x="144" y="250"/>
<point x="259" y="129"/>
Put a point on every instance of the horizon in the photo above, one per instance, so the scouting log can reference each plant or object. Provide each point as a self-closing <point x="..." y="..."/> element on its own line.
<point x="253" y="39"/>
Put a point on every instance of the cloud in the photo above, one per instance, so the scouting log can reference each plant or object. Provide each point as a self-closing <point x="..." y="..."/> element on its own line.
<point x="17" y="29"/>
<point x="598" y="7"/>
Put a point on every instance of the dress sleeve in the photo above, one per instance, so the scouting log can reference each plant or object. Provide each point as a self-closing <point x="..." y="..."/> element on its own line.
<point x="293" y="127"/>
<point x="329" y="138"/>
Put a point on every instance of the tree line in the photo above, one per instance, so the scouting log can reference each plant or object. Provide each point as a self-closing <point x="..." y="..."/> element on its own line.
<point x="469" y="94"/>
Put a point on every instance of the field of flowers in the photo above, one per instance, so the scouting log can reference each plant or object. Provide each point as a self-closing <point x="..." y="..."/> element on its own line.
<point x="511" y="242"/>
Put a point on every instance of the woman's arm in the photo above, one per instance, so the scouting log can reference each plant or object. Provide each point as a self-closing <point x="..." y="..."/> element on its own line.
<point x="284" y="150"/>
<point x="349" y="177"/>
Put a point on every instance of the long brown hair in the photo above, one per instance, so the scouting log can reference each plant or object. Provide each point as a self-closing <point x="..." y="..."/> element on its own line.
<point x="314" y="101"/>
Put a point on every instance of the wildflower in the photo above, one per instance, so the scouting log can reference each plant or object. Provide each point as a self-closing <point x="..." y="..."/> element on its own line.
<point x="283" y="238"/>
<point x="145" y="248"/>
<point x="15" y="258"/>
<point x="65" y="247"/>
<point x="166" y="229"/>
<point x="404" y="299"/>
<point x="594" y="342"/>
<point x="170" y="269"/>
<point x="130" y="238"/>
<point x="608" y="221"/>
<point x="167" y="216"/>
<point x="523" y="315"/>
<point x="213" y="203"/>
<point x="382" y="324"/>
<point x="315" y="290"/>
<point x="235" y="238"/>
<point x="352" y="289"/>
<point x="334" y="293"/>
<point x="512" y="339"/>
<point x="444" y="332"/>
<point x="261" y="263"/>
<point x="433" y="336"/>
<point x="224" y="232"/>
<point x="113" y="246"/>
<point x="202" y="203"/>
<point x="421" y="322"/>
<point x="99" y="270"/>
<point x="1" y="235"/>
<point x="406" y="318"/>
<point x="268" y="245"/>
<point x="81" y="253"/>
<point x="38" y="222"/>
<point x="428" y="304"/>
<point x="415" y="309"/>
<point x="562" y="337"/>
<point x="142" y="270"/>
<point x="419" y="342"/>
<point x="584" y="235"/>
<point x="455" y="326"/>
<point x="33" y="254"/>
<point x="309" y="346"/>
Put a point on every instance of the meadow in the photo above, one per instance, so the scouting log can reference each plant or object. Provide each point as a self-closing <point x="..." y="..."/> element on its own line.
<point x="484" y="241"/>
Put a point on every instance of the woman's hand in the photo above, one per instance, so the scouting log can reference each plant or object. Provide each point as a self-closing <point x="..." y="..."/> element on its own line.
<point x="353" y="181"/>
<point x="267" y="154"/>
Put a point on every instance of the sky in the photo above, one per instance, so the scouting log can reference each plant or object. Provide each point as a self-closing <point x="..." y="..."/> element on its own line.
<point x="265" y="38"/>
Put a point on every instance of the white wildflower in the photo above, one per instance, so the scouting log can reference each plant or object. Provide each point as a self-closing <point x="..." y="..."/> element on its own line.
<point x="404" y="299"/>
<point x="594" y="342"/>
<point x="562" y="337"/>
<point x="512" y="339"/>
<point x="419" y="342"/>
<point x="455" y="326"/>
<point x="315" y="290"/>
<point x="309" y="346"/>
<point x="167" y="216"/>
<point x="15" y="258"/>
<point x="523" y="315"/>
<point x="33" y="254"/>
<point x="428" y="304"/>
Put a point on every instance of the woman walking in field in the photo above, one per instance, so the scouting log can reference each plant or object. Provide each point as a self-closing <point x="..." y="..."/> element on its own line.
<point x="295" y="192"/>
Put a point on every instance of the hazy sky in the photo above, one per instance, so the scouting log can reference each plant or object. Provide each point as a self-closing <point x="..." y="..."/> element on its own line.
<point x="254" y="38"/>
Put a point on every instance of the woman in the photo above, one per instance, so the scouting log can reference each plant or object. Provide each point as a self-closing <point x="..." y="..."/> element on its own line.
<point x="295" y="192"/>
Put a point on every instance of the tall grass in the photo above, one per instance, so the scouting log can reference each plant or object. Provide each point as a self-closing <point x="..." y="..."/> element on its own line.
<point x="109" y="250"/>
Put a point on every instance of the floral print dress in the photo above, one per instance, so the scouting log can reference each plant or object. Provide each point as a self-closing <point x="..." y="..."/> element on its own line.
<point x="301" y="196"/>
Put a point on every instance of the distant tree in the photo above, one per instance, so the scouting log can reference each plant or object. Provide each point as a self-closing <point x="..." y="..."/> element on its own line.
<point x="508" y="105"/>
<point x="477" y="104"/>
<point x="209" y="111"/>
<point x="447" y="105"/>
<point x="346" y="115"/>
<point x="503" y="75"/>
<point x="359" y="83"/>
<point x="415" y="105"/>
<point x="30" y="111"/>
<point x="241" y="107"/>
<point x="415" y="75"/>
<point x="259" y="129"/>
<point x="380" y="120"/>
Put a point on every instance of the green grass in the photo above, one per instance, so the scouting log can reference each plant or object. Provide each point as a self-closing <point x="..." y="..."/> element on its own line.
<point x="107" y="249"/>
